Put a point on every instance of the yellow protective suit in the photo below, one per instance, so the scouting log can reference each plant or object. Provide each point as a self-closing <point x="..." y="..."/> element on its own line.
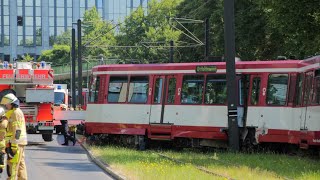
<point x="17" y="140"/>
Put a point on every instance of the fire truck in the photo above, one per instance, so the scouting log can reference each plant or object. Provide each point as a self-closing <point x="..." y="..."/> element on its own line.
<point x="61" y="108"/>
<point x="32" y="83"/>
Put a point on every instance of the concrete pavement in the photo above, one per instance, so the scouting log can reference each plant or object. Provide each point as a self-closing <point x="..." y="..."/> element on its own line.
<point x="50" y="160"/>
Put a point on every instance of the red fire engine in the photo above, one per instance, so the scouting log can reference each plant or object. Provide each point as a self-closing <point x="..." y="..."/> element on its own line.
<point x="62" y="110"/>
<point x="32" y="83"/>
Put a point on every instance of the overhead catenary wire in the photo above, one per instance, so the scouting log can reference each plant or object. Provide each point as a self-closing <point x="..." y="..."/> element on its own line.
<point x="195" y="11"/>
<point x="187" y="20"/>
<point x="150" y="46"/>
<point x="94" y="39"/>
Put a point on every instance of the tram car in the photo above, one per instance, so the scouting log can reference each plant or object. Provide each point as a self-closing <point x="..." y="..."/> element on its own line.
<point x="279" y="102"/>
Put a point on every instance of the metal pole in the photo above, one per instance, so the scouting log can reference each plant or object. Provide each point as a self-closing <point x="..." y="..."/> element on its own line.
<point x="171" y="51"/>
<point x="87" y="76"/>
<point x="229" y="39"/>
<point x="73" y="67"/>
<point x="206" y="34"/>
<point x="79" y="63"/>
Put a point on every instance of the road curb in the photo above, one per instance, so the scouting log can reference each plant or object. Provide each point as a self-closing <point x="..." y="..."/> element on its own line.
<point x="102" y="165"/>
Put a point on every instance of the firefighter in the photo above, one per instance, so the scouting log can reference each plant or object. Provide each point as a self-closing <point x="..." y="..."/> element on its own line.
<point x="17" y="138"/>
<point x="73" y="130"/>
<point x="66" y="133"/>
<point x="3" y="130"/>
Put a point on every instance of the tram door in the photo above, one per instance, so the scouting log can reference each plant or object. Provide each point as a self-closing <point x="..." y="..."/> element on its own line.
<point x="307" y="98"/>
<point x="254" y="100"/>
<point x="163" y="93"/>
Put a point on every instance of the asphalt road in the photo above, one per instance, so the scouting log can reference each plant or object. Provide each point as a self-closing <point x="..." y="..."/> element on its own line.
<point x="50" y="160"/>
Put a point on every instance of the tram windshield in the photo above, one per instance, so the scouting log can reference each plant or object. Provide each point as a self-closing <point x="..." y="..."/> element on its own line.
<point x="277" y="89"/>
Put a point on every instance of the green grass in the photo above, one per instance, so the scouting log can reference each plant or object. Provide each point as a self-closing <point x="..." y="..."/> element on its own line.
<point x="149" y="165"/>
<point x="253" y="166"/>
<point x="145" y="164"/>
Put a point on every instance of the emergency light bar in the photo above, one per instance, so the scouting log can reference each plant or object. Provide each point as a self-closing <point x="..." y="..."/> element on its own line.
<point x="26" y="73"/>
<point x="26" y="65"/>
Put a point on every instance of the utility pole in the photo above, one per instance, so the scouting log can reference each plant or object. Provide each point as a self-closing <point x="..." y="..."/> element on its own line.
<point x="206" y="36"/>
<point x="171" y="51"/>
<point x="73" y="67"/>
<point x="229" y="48"/>
<point x="79" y="62"/>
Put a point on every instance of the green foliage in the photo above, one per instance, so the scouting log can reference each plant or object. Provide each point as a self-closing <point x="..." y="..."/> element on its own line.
<point x="264" y="30"/>
<point x="98" y="33"/>
<point x="147" y="30"/>
<point x="293" y="26"/>
<point x="64" y="38"/>
<point x="58" y="55"/>
<point x="200" y="10"/>
<point x="27" y="58"/>
<point x="140" y="164"/>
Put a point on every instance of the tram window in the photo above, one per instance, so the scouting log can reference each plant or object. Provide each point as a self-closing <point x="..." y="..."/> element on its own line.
<point x="308" y="91"/>
<point x="255" y="92"/>
<point x="192" y="89"/>
<point x="241" y="92"/>
<point x="117" y="89"/>
<point x="94" y="90"/>
<point x="244" y="86"/>
<point x="171" y="90"/>
<point x="277" y="89"/>
<point x="216" y="89"/>
<point x="316" y="94"/>
<point x="138" y="89"/>
<point x="157" y="91"/>
<point x="297" y="100"/>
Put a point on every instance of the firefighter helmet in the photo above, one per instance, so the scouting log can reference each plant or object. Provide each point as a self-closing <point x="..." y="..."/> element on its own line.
<point x="2" y="111"/>
<point x="8" y="99"/>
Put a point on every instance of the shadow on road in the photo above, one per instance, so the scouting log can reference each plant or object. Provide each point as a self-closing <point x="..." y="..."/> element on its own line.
<point x="71" y="166"/>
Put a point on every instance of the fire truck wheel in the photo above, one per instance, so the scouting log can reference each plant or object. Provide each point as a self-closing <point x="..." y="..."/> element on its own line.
<point x="47" y="137"/>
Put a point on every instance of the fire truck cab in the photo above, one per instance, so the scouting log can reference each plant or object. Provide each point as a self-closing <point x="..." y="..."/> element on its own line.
<point x="32" y="83"/>
<point x="61" y="108"/>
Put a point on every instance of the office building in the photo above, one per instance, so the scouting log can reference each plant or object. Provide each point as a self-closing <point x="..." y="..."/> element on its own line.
<point x="30" y="26"/>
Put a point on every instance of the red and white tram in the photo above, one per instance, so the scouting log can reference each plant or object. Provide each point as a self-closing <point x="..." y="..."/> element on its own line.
<point x="279" y="102"/>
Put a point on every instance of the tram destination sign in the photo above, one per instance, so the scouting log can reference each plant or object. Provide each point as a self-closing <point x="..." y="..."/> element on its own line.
<point x="206" y="69"/>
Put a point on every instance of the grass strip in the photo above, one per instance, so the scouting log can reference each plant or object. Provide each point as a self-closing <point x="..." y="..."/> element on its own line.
<point x="149" y="165"/>
<point x="146" y="164"/>
<point x="252" y="166"/>
<point x="197" y="167"/>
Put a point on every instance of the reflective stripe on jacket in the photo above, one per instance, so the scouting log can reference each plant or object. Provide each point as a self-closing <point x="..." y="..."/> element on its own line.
<point x="17" y="122"/>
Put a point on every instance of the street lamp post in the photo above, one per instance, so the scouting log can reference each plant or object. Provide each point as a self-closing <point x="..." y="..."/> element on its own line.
<point x="79" y="62"/>
<point x="73" y="72"/>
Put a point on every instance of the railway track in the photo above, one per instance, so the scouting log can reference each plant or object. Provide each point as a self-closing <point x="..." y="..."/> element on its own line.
<point x="203" y="169"/>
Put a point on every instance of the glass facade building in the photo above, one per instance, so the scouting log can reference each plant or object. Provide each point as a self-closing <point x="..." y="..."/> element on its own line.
<point x="30" y="26"/>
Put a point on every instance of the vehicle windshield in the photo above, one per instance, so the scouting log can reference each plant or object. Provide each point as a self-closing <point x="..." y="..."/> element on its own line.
<point x="59" y="98"/>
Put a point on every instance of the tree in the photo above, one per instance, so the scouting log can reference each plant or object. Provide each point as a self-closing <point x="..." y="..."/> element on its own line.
<point x="200" y="10"/>
<point x="27" y="58"/>
<point x="263" y="30"/>
<point x="149" y="31"/>
<point x="96" y="32"/>
<point x="58" y="55"/>
<point x="64" y="38"/>
<point x="250" y="23"/>
<point x="293" y="30"/>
